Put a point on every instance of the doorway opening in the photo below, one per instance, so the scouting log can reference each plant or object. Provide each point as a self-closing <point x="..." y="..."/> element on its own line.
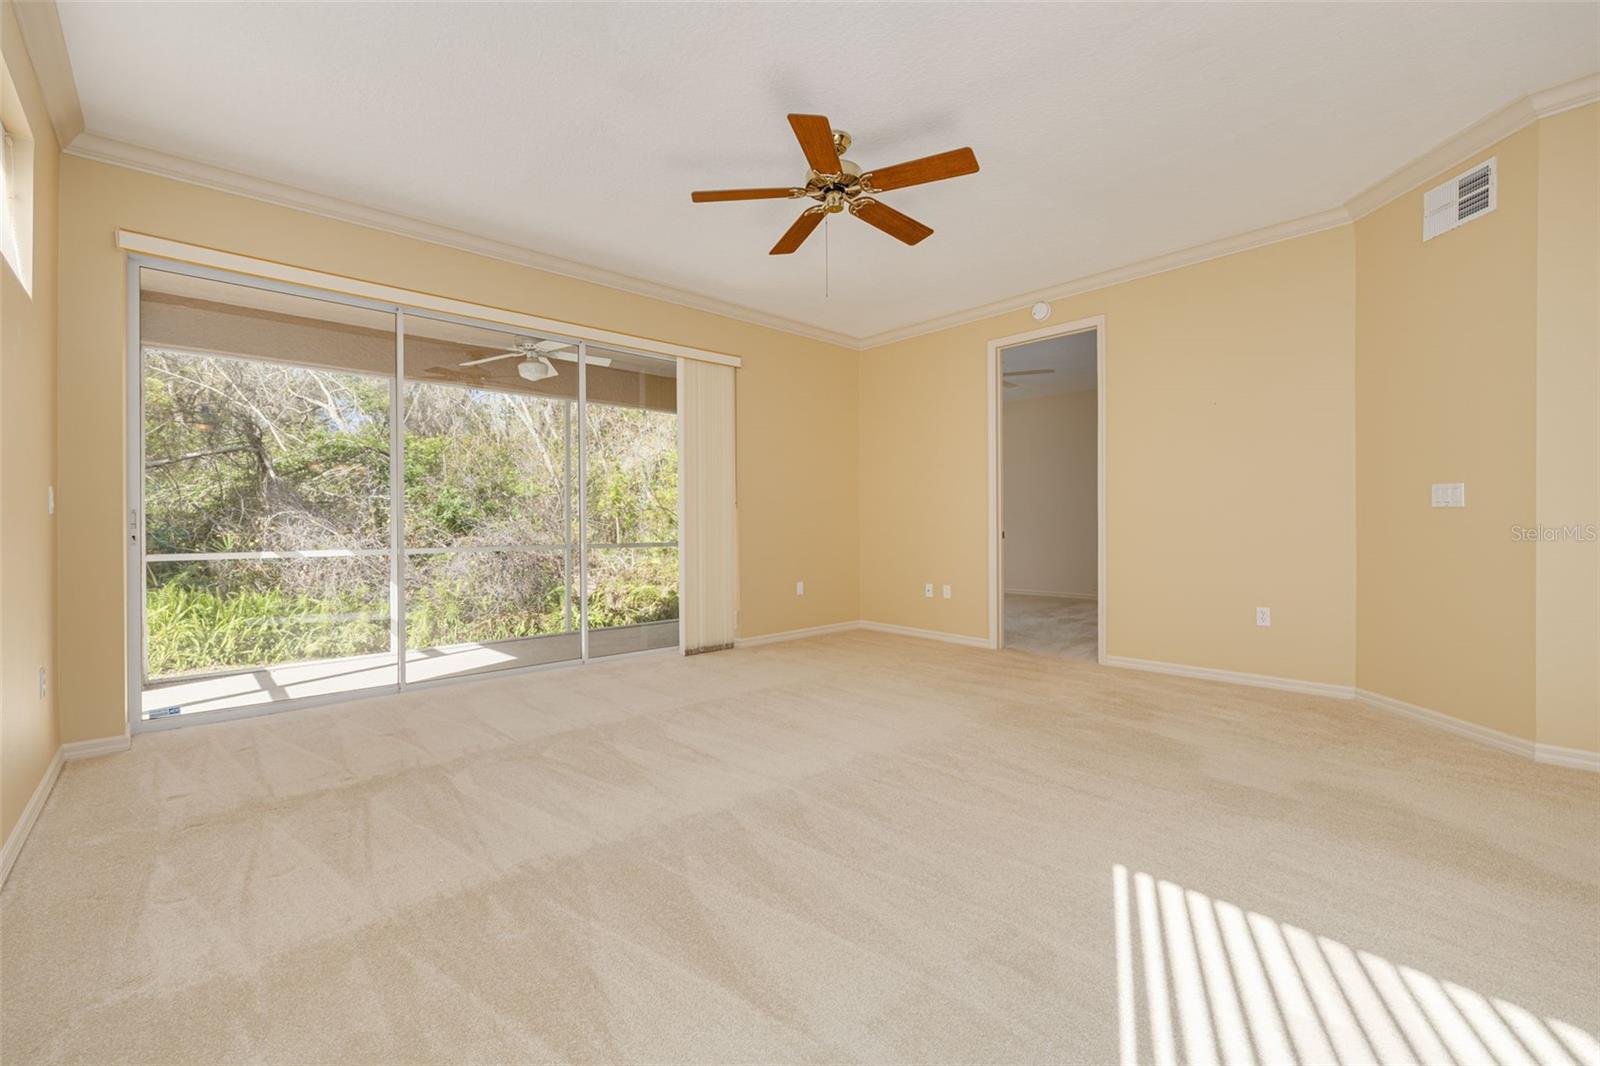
<point x="1047" y="449"/>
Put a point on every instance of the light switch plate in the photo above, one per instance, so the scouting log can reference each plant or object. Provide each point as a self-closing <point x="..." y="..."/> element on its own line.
<point x="1450" y="494"/>
<point x="927" y="590"/>
<point x="1263" y="616"/>
<point x="799" y="588"/>
<point x="947" y="592"/>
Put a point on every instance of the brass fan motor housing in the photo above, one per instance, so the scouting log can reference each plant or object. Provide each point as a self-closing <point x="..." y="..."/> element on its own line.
<point x="837" y="184"/>
<point x="835" y="192"/>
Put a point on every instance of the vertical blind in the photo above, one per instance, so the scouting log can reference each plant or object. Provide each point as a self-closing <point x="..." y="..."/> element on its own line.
<point x="708" y="530"/>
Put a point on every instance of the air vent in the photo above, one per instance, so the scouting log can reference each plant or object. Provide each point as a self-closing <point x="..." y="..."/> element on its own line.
<point x="1460" y="200"/>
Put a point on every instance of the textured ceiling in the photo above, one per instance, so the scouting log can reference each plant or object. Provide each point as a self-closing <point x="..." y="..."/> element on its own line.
<point x="1107" y="134"/>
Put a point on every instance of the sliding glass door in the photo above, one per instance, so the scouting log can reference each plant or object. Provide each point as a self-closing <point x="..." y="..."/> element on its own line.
<point x="336" y="496"/>
<point x="490" y="499"/>
<point x="630" y="501"/>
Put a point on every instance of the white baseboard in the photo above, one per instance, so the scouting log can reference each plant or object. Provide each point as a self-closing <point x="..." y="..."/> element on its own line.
<point x="1206" y="673"/>
<point x="1053" y="595"/>
<point x="1572" y="758"/>
<point x="794" y="634"/>
<point x="88" y="749"/>
<point x="30" y="814"/>
<point x="1494" y="738"/>
<point x="1552" y="754"/>
<point x="875" y="627"/>
<point x="925" y="634"/>
<point x="82" y="749"/>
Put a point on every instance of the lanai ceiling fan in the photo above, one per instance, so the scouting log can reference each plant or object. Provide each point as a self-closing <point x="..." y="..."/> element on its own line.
<point x="838" y="184"/>
<point x="536" y="356"/>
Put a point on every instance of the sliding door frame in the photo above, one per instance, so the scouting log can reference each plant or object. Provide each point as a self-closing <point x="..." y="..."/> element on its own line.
<point x="136" y="602"/>
<point x="397" y="515"/>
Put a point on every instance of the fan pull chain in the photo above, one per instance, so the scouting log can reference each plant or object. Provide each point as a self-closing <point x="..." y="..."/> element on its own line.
<point x="827" y="259"/>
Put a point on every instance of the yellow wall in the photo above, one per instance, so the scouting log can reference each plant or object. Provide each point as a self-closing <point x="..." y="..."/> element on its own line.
<point x="28" y="734"/>
<point x="1272" y="417"/>
<point x="796" y="399"/>
<point x="1476" y="363"/>
<point x="1445" y="392"/>
<point x="1230" y="474"/>
<point x="1276" y="417"/>
<point x="1567" y="571"/>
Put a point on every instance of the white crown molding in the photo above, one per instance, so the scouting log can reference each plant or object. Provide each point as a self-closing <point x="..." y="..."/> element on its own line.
<point x="103" y="149"/>
<point x="1243" y="242"/>
<point x="1478" y="137"/>
<point x="47" y="48"/>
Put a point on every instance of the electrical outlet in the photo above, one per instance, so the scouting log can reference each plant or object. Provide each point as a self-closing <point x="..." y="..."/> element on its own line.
<point x="947" y="592"/>
<point x="927" y="590"/>
<point x="44" y="685"/>
<point x="799" y="588"/>
<point x="1263" y="616"/>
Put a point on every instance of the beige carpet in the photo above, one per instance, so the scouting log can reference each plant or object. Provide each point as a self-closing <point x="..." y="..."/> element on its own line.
<point x="856" y="847"/>
<point x="1053" y="625"/>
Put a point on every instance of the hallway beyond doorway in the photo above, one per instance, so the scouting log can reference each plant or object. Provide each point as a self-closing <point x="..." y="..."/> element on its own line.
<point x="1065" y="627"/>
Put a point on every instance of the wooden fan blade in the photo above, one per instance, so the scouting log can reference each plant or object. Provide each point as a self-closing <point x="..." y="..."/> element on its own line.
<point x="717" y="195"/>
<point x="797" y="234"/>
<point x="900" y="227"/>
<point x="921" y="171"/>
<point x="815" y="134"/>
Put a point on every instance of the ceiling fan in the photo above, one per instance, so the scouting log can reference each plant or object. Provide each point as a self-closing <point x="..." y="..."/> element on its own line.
<point x="536" y="356"/>
<point x="1021" y="374"/>
<point x="838" y="184"/>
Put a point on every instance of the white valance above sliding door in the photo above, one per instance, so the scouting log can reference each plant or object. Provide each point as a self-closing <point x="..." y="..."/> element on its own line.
<point x="708" y="526"/>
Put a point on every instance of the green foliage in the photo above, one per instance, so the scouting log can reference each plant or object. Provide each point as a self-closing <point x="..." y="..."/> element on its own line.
<point x="246" y="456"/>
<point x="195" y="628"/>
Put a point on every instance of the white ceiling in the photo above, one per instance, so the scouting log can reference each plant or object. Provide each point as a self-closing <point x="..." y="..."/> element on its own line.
<point x="1069" y="363"/>
<point x="1107" y="134"/>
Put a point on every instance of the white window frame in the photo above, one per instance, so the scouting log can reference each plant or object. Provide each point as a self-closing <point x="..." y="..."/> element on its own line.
<point x="137" y="633"/>
<point x="16" y="184"/>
